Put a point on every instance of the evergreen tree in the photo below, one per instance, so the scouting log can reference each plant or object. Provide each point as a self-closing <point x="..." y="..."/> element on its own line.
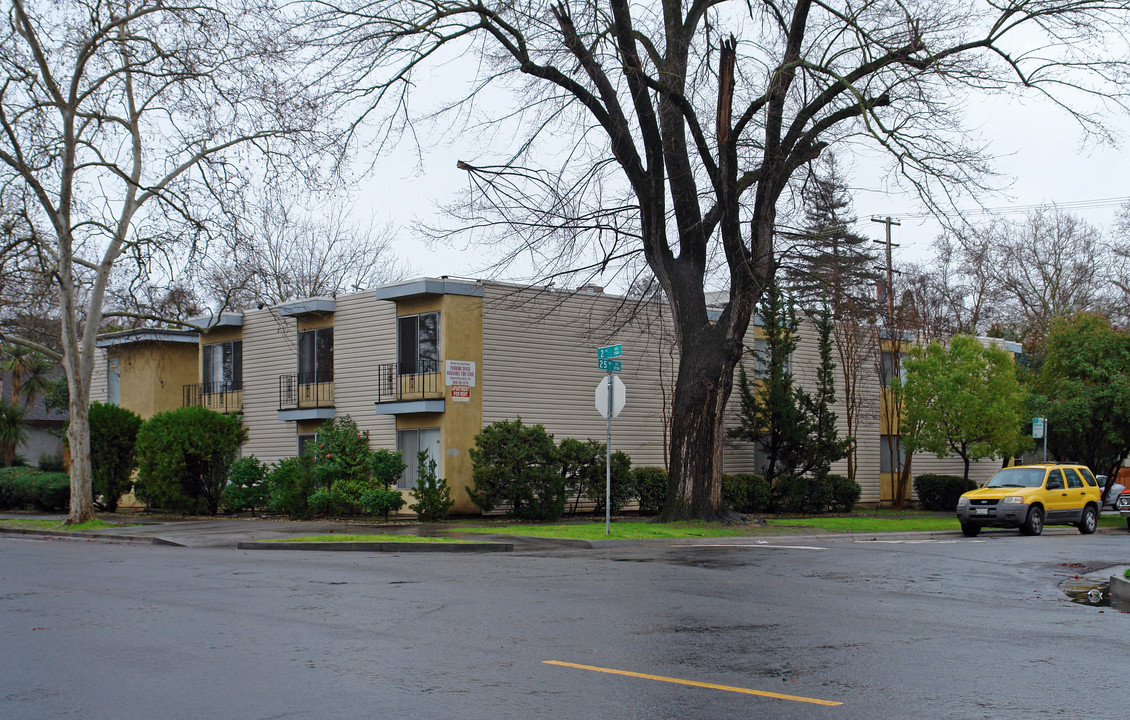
<point x="826" y="446"/>
<point x="829" y="262"/>
<point x="773" y="415"/>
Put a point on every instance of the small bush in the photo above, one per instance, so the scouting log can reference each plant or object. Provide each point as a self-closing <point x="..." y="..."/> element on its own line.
<point x="381" y="501"/>
<point x="247" y="488"/>
<point x="324" y="501"/>
<point x="845" y="493"/>
<point x="343" y="462"/>
<point x="291" y="482"/>
<point x="518" y="466"/>
<point x="51" y="462"/>
<point x="802" y="494"/>
<point x="26" y="488"/>
<point x="651" y="488"/>
<point x="940" y="492"/>
<point x="746" y="492"/>
<point x="184" y="457"/>
<point x="113" y="457"/>
<point x="433" y="497"/>
<point x="621" y="481"/>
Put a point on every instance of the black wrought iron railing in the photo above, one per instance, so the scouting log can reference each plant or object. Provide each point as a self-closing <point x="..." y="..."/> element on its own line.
<point x="394" y="386"/>
<point x="306" y="390"/>
<point x="222" y="397"/>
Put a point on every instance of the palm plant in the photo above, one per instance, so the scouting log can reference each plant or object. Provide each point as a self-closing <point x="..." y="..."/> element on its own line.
<point x="13" y="431"/>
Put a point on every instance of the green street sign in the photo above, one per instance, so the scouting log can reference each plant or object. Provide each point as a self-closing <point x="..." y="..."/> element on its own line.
<point x="609" y="365"/>
<point x="609" y="351"/>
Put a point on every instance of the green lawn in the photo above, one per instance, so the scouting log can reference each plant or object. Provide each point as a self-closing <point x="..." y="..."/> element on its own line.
<point x="380" y="537"/>
<point x="870" y="521"/>
<point x="58" y="525"/>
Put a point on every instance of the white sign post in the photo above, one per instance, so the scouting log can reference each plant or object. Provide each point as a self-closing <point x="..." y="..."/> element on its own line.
<point x="610" y="395"/>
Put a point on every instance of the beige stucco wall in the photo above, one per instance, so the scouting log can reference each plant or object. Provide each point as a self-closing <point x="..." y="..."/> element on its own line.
<point x="153" y="375"/>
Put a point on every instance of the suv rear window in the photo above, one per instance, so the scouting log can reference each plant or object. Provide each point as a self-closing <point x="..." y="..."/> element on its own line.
<point x="1088" y="477"/>
<point x="1073" y="479"/>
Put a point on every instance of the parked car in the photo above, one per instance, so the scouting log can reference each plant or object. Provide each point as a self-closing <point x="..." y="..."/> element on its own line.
<point x="1031" y="496"/>
<point x="1123" y="504"/>
<point x="1112" y="495"/>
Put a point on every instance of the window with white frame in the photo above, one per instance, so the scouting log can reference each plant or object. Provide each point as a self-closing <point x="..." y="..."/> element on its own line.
<point x="417" y="343"/>
<point x="410" y="443"/>
<point x="223" y="366"/>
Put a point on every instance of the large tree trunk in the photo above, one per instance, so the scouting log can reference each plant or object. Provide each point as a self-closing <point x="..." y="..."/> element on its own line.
<point x="706" y="378"/>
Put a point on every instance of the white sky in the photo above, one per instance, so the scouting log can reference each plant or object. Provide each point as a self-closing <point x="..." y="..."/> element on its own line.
<point x="1040" y="153"/>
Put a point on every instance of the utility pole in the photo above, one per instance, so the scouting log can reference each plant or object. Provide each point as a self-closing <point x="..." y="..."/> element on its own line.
<point x="889" y="221"/>
<point x="891" y="423"/>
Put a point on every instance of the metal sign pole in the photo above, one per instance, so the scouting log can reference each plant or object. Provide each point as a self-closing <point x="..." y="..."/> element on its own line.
<point x="608" y="464"/>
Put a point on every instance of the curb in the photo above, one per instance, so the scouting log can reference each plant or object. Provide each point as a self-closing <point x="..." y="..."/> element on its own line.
<point x="92" y="536"/>
<point x="379" y="546"/>
<point x="1120" y="587"/>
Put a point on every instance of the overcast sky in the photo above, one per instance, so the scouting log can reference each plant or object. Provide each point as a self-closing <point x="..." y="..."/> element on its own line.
<point x="1040" y="151"/>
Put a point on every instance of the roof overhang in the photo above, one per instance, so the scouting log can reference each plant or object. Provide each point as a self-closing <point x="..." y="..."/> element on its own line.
<point x="429" y="286"/>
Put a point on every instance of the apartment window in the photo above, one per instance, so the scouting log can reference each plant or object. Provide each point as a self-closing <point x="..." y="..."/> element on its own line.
<point x="316" y="356"/>
<point x="887" y="370"/>
<point x="223" y="366"/>
<point x="886" y="454"/>
<point x="417" y="343"/>
<point x="411" y="442"/>
<point x="761" y="358"/>
<point x="307" y="444"/>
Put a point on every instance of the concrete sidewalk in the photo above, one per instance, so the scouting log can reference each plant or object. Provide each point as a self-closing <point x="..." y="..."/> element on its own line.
<point x="249" y="533"/>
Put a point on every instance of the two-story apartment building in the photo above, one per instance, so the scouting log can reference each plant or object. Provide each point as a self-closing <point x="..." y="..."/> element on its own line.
<point x="426" y="364"/>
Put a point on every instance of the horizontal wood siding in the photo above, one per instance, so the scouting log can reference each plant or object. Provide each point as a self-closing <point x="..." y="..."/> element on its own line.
<point x="99" y="379"/>
<point x="364" y="337"/>
<point x="269" y="350"/>
<point x="539" y="363"/>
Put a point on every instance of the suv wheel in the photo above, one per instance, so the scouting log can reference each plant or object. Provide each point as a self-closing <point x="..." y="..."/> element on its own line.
<point x="971" y="529"/>
<point x="1034" y="525"/>
<point x="1090" y="521"/>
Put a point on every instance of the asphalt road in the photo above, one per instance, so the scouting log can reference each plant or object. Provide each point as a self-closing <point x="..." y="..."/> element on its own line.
<point x="926" y="627"/>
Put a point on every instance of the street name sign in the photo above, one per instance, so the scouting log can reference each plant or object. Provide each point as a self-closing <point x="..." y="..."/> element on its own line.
<point x="609" y="365"/>
<point x="609" y="351"/>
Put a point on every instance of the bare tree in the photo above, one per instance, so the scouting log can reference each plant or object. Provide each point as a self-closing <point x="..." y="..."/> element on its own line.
<point x="126" y="127"/>
<point x="290" y="251"/>
<point x="667" y="136"/>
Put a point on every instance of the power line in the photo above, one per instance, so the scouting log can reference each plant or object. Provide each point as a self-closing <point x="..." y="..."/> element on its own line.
<point x="1094" y="204"/>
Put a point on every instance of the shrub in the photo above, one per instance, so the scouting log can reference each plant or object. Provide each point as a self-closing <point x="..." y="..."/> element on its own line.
<point x="518" y="466"/>
<point x="746" y="492"/>
<point x="651" y="488"/>
<point x="940" y="492"/>
<point x="184" y="457"/>
<point x="343" y="461"/>
<point x="290" y="483"/>
<point x="22" y="487"/>
<point x="247" y="487"/>
<point x="382" y="501"/>
<point x="433" y="497"/>
<point x="583" y="470"/>
<point x="13" y="431"/>
<point x="802" y="494"/>
<point x="51" y="462"/>
<point x="113" y="457"/>
<point x="621" y="481"/>
<point x="845" y="493"/>
<point x="386" y="467"/>
<point x="325" y="501"/>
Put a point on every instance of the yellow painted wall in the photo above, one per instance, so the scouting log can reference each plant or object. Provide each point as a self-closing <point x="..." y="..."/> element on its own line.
<point x="460" y="338"/>
<point x="153" y="375"/>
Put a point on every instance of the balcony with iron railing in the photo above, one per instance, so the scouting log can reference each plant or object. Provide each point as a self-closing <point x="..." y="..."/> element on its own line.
<point x="303" y="391"/>
<point x="224" y="397"/>
<point x="394" y="386"/>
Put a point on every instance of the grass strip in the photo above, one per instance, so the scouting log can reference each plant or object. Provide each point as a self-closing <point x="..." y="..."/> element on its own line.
<point x="56" y="525"/>
<point x="628" y="530"/>
<point x="382" y="537"/>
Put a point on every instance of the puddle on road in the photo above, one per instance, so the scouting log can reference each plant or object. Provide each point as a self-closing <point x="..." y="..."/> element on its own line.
<point x="1093" y="592"/>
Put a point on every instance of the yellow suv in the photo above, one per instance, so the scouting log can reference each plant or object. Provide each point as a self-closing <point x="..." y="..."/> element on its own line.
<point x="1031" y="496"/>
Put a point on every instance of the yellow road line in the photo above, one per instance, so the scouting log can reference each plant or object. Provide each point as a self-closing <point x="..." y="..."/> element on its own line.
<point x="694" y="683"/>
